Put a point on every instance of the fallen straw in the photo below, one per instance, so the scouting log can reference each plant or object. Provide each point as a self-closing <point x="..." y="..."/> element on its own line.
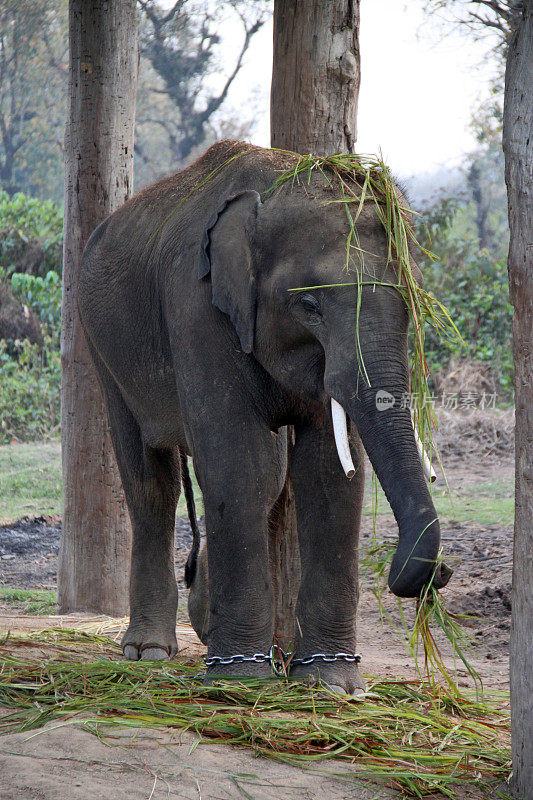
<point x="408" y="734"/>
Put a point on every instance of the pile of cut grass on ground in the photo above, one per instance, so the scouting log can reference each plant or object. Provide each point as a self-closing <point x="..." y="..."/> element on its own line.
<point x="408" y="734"/>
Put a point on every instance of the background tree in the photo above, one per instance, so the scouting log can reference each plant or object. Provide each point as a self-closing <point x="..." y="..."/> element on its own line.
<point x="96" y="541"/>
<point x="178" y="111"/>
<point x="501" y="17"/>
<point x="31" y="121"/>
<point x="180" y="44"/>
<point x="315" y="89"/>
<point x="467" y="216"/>
<point x="494" y="21"/>
<point x="518" y="148"/>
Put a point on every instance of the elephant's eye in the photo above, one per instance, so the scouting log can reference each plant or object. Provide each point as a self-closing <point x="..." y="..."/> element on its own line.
<point x="310" y="304"/>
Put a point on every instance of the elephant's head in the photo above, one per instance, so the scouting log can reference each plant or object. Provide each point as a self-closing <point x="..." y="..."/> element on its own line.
<point x="315" y="342"/>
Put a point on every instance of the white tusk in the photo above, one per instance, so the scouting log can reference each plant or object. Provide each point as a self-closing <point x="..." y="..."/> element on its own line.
<point x="429" y="472"/>
<point x="340" y="430"/>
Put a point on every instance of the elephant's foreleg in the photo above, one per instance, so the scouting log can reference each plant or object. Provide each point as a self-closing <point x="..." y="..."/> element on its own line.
<point x="328" y="507"/>
<point x="235" y="484"/>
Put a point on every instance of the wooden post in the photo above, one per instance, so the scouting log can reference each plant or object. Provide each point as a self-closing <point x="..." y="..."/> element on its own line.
<point x="518" y="149"/>
<point x="315" y="88"/>
<point x="96" y="542"/>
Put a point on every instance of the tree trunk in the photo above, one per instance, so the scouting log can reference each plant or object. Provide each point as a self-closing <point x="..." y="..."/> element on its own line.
<point x="316" y="76"/>
<point x="96" y="543"/>
<point x="518" y="149"/>
<point x="315" y="88"/>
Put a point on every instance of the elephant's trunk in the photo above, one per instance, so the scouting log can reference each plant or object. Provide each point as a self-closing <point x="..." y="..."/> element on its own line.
<point x="389" y="440"/>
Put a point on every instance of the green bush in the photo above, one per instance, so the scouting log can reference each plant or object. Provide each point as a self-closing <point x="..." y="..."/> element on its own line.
<point x="31" y="377"/>
<point x="43" y="295"/>
<point x="29" y="392"/>
<point x="472" y="283"/>
<point x="31" y="235"/>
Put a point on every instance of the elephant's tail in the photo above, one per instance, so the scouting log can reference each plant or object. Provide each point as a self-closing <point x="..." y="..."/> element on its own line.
<point x="190" y="566"/>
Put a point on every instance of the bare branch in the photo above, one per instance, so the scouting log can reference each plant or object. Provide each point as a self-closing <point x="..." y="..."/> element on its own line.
<point x="172" y="135"/>
<point x="489" y="23"/>
<point x="496" y="7"/>
<point x="158" y="21"/>
<point x="216" y="102"/>
<point x="52" y="60"/>
<point x="176" y="8"/>
<point x="150" y="13"/>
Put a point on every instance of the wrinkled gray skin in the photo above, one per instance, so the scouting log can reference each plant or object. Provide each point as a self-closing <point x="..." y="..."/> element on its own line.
<point x="199" y="346"/>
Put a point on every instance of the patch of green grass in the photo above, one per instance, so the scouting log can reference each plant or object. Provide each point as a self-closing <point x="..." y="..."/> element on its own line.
<point x="490" y="503"/>
<point x="476" y="506"/>
<point x="31" y="482"/>
<point x="33" y="601"/>
<point x="30" y="479"/>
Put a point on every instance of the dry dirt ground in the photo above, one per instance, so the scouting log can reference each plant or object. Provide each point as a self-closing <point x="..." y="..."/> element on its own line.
<point x="72" y="764"/>
<point x="64" y="762"/>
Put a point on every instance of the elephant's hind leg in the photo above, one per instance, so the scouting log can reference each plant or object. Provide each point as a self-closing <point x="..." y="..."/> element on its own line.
<point x="151" y="481"/>
<point x="153" y="591"/>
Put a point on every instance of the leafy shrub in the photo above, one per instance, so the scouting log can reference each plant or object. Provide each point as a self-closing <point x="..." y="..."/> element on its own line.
<point x="43" y="295"/>
<point x="29" y="392"/>
<point x="31" y="234"/>
<point x="472" y="283"/>
<point x="31" y="376"/>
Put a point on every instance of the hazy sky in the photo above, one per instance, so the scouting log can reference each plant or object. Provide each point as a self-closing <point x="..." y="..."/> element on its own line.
<point x="420" y="83"/>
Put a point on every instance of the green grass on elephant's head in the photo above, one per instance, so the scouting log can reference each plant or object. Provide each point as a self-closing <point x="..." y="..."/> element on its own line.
<point x="38" y="602"/>
<point x="30" y="479"/>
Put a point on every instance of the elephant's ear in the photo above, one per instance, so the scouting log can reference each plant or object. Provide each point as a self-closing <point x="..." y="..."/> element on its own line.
<point x="226" y="253"/>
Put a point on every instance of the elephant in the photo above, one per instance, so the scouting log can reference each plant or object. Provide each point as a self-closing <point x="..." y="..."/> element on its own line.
<point x="202" y="351"/>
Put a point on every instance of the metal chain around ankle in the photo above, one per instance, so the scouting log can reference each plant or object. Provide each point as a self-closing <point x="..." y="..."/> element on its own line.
<point x="239" y="658"/>
<point x="353" y="658"/>
<point x="283" y="660"/>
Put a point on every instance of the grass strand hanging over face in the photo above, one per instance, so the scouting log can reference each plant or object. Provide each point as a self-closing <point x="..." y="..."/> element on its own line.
<point x="363" y="179"/>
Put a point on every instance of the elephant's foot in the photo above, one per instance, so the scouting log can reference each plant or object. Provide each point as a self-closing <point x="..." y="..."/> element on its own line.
<point x="340" y="677"/>
<point x="149" y="642"/>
